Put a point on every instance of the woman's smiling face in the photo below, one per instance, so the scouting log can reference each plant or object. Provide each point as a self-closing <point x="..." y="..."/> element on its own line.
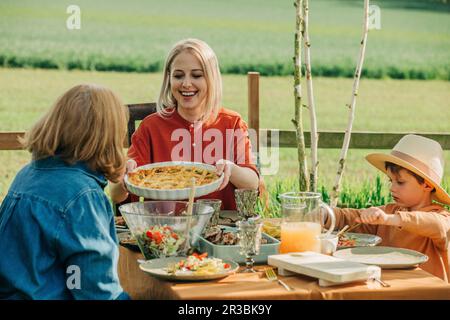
<point x="187" y="82"/>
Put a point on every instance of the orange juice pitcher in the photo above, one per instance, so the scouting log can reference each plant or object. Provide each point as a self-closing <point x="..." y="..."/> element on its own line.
<point x="302" y="221"/>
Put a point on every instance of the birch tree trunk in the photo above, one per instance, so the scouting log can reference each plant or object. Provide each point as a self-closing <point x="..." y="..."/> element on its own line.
<point x="352" y="107"/>
<point x="302" y="164"/>
<point x="311" y="104"/>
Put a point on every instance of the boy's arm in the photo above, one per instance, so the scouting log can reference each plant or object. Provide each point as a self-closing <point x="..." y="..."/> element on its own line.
<point x="347" y="216"/>
<point x="433" y="225"/>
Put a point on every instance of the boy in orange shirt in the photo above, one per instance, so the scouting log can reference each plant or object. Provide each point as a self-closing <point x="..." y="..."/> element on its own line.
<point x="415" y="168"/>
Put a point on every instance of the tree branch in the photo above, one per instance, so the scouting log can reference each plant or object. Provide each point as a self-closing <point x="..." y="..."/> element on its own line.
<point x="302" y="164"/>
<point x="352" y="107"/>
<point x="311" y="103"/>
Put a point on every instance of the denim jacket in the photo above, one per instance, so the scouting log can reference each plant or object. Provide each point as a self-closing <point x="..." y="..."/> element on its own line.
<point x="57" y="235"/>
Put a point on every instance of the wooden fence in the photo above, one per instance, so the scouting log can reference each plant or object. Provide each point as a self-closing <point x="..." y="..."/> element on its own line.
<point x="327" y="139"/>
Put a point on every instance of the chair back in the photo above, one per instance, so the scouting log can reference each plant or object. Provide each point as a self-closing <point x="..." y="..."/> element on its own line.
<point x="137" y="113"/>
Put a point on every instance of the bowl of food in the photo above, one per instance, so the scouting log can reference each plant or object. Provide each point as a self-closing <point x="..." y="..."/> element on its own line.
<point x="272" y="226"/>
<point x="172" y="180"/>
<point x="223" y="242"/>
<point x="163" y="228"/>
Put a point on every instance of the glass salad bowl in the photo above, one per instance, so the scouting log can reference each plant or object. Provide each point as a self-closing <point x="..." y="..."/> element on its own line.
<point x="163" y="228"/>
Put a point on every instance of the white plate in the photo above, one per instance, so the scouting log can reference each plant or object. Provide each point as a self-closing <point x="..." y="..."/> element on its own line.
<point x="156" y="268"/>
<point x="174" y="194"/>
<point x="384" y="257"/>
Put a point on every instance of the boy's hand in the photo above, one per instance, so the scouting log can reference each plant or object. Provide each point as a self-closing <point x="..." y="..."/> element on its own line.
<point x="373" y="215"/>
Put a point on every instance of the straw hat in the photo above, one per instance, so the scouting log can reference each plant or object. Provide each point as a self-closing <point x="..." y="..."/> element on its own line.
<point x="420" y="155"/>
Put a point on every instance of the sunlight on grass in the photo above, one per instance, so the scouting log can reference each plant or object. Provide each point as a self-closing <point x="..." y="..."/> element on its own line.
<point x="383" y="105"/>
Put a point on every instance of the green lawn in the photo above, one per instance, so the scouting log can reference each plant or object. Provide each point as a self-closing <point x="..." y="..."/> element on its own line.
<point x="135" y="35"/>
<point x="383" y="105"/>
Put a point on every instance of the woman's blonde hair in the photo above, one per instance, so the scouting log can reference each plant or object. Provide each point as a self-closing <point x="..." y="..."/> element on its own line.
<point x="210" y="65"/>
<point x="87" y="123"/>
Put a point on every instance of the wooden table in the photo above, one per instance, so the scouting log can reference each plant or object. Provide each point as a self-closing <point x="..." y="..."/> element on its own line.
<point x="405" y="284"/>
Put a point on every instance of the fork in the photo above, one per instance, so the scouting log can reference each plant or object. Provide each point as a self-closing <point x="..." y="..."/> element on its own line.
<point x="384" y="284"/>
<point x="272" y="276"/>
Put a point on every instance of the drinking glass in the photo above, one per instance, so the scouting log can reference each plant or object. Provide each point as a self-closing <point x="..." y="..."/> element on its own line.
<point x="249" y="234"/>
<point x="216" y="204"/>
<point x="246" y="202"/>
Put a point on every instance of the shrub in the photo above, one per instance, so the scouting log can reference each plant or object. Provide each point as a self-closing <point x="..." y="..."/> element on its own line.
<point x="132" y="64"/>
<point x="369" y="194"/>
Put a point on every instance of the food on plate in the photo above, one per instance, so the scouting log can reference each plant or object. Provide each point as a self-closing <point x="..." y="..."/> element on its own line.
<point x="218" y="235"/>
<point x="346" y="241"/>
<point x="160" y="241"/>
<point x="198" y="264"/>
<point x="272" y="229"/>
<point x="171" y="177"/>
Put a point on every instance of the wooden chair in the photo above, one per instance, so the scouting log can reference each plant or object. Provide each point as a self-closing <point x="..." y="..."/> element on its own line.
<point x="137" y="113"/>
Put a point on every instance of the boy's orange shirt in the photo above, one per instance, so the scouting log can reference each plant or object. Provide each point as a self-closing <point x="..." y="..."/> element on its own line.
<point x="426" y="231"/>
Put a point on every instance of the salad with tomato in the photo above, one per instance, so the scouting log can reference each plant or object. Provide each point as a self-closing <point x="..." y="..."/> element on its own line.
<point x="198" y="264"/>
<point x="161" y="241"/>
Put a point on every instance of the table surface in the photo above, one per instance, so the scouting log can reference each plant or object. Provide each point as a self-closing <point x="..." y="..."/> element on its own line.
<point x="405" y="284"/>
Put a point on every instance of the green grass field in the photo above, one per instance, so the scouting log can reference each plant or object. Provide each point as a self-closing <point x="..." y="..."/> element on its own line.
<point x="247" y="35"/>
<point x="383" y="106"/>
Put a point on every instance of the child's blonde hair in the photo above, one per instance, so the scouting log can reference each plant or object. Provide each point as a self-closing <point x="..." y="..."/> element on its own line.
<point x="87" y="123"/>
<point x="210" y="66"/>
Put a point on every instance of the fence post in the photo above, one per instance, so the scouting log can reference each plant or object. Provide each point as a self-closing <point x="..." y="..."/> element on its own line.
<point x="253" y="104"/>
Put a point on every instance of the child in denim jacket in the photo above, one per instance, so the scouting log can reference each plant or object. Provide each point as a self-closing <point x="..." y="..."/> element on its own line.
<point x="57" y="234"/>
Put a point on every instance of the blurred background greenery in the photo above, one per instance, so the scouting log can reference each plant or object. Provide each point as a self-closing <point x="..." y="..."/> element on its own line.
<point x="248" y="35"/>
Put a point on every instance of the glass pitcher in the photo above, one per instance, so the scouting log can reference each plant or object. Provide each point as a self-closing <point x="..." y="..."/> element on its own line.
<point x="302" y="221"/>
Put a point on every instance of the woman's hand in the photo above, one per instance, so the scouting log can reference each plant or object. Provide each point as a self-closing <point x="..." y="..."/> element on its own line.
<point x="225" y="166"/>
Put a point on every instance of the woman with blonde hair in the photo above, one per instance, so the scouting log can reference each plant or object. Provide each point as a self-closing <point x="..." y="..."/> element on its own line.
<point x="57" y="234"/>
<point x="192" y="125"/>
